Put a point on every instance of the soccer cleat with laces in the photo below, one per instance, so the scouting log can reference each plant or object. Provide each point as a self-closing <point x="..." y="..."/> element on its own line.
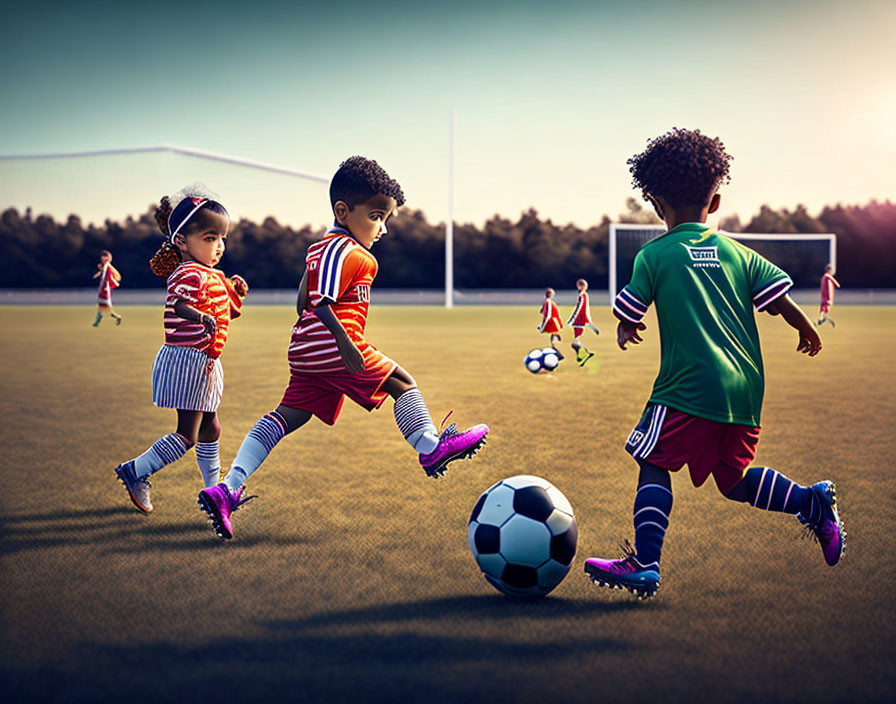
<point x="626" y="572"/>
<point x="219" y="502"/>
<point x="828" y="529"/>
<point x="453" y="445"/>
<point x="138" y="487"/>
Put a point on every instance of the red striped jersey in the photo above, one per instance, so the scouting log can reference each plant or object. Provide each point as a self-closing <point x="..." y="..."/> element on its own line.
<point x="340" y="272"/>
<point x="581" y="316"/>
<point x="827" y="288"/>
<point x="208" y="291"/>
<point x="109" y="279"/>
<point x="550" y="317"/>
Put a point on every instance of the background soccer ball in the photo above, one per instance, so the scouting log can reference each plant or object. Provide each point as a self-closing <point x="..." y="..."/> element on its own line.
<point x="533" y="361"/>
<point x="546" y="359"/>
<point x="523" y="535"/>
<point x="549" y="359"/>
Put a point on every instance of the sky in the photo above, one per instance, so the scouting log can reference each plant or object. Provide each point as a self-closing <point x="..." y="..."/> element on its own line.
<point x="549" y="100"/>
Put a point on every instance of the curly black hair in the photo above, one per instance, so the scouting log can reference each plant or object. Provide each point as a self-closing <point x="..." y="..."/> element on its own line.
<point x="359" y="179"/>
<point x="683" y="167"/>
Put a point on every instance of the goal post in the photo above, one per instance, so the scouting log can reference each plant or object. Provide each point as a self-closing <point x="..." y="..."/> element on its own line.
<point x="802" y="256"/>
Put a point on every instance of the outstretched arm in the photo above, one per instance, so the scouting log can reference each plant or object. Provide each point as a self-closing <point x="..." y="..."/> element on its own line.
<point x="810" y="341"/>
<point x="351" y="355"/>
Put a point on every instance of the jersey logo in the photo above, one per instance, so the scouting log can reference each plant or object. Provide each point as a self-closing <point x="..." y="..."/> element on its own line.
<point x="312" y="265"/>
<point x="703" y="256"/>
<point x="363" y="291"/>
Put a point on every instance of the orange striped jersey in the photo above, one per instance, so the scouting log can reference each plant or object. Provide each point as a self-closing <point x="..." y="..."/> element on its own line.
<point x="550" y="317"/>
<point x="340" y="272"/>
<point x="109" y="279"/>
<point x="581" y="316"/>
<point x="208" y="291"/>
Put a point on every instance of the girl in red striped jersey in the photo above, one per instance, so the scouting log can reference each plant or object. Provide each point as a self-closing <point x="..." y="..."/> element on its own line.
<point x="187" y="373"/>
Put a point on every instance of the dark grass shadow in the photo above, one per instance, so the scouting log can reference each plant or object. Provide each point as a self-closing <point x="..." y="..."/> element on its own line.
<point x="461" y="652"/>
<point x="120" y="529"/>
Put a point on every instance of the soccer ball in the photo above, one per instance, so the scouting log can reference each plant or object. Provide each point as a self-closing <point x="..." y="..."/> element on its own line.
<point x="538" y="359"/>
<point x="533" y="361"/>
<point x="523" y="535"/>
<point x="549" y="359"/>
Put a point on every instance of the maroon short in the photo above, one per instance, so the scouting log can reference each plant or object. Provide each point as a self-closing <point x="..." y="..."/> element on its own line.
<point x="323" y="394"/>
<point x="825" y="306"/>
<point x="669" y="439"/>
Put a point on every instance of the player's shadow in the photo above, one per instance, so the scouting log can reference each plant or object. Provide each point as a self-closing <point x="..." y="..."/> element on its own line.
<point x="121" y="529"/>
<point x="436" y="650"/>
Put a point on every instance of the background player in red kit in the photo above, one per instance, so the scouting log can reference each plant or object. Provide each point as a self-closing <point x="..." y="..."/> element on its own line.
<point x="579" y="320"/>
<point x="828" y="282"/>
<point x="109" y="279"/>
<point x="551" y="322"/>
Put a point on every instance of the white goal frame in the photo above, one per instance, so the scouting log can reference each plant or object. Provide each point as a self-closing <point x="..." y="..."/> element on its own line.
<point x="739" y="236"/>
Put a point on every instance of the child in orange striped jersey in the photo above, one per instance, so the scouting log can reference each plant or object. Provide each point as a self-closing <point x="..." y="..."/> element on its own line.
<point x="329" y="355"/>
<point x="109" y="279"/>
<point x="187" y="373"/>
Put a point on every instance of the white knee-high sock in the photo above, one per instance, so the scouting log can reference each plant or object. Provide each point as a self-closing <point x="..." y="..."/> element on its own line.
<point x="208" y="458"/>
<point x="167" y="449"/>
<point x="415" y="423"/>
<point x="257" y="445"/>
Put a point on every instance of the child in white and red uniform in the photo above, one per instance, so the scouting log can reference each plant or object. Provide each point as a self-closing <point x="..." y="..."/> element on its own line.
<point x="828" y="282"/>
<point x="109" y="279"/>
<point x="551" y="322"/>
<point x="187" y="373"/>
<point x="579" y="320"/>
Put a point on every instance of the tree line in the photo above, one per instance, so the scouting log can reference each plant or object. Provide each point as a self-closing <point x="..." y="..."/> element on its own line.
<point x="529" y="252"/>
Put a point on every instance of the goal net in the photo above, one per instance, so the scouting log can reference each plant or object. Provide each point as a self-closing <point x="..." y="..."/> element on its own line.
<point x="803" y="257"/>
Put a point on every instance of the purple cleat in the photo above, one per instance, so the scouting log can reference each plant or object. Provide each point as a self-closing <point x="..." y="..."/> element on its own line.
<point x="627" y="572"/>
<point x="828" y="529"/>
<point x="219" y="502"/>
<point x="453" y="446"/>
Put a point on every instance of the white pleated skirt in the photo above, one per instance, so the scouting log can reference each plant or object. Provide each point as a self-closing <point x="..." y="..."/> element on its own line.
<point x="186" y="379"/>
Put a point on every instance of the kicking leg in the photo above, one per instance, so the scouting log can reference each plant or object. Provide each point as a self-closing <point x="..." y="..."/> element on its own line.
<point x="815" y="506"/>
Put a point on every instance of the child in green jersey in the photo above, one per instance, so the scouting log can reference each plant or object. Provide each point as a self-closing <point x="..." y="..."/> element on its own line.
<point x="705" y="405"/>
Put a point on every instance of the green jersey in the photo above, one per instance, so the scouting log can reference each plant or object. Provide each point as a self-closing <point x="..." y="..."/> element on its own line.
<point x="704" y="286"/>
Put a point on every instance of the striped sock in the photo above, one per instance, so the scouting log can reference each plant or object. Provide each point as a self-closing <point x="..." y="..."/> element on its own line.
<point x="415" y="423"/>
<point x="265" y="434"/>
<point x="653" y="504"/>
<point x="768" y="489"/>
<point x="164" y="451"/>
<point x="209" y="460"/>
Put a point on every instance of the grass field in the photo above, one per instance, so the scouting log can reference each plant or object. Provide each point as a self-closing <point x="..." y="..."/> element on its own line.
<point x="350" y="578"/>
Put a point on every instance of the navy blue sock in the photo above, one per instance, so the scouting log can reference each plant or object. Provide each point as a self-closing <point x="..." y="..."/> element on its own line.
<point x="768" y="489"/>
<point x="653" y="504"/>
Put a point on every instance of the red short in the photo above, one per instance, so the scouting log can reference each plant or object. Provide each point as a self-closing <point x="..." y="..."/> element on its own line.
<point x="323" y="394"/>
<point x="553" y="327"/>
<point x="669" y="439"/>
<point x="825" y="306"/>
<point x="578" y="330"/>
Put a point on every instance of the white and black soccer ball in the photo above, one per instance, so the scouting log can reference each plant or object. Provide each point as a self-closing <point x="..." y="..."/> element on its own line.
<point x="550" y="360"/>
<point x="533" y="361"/>
<point x="523" y="535"/>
